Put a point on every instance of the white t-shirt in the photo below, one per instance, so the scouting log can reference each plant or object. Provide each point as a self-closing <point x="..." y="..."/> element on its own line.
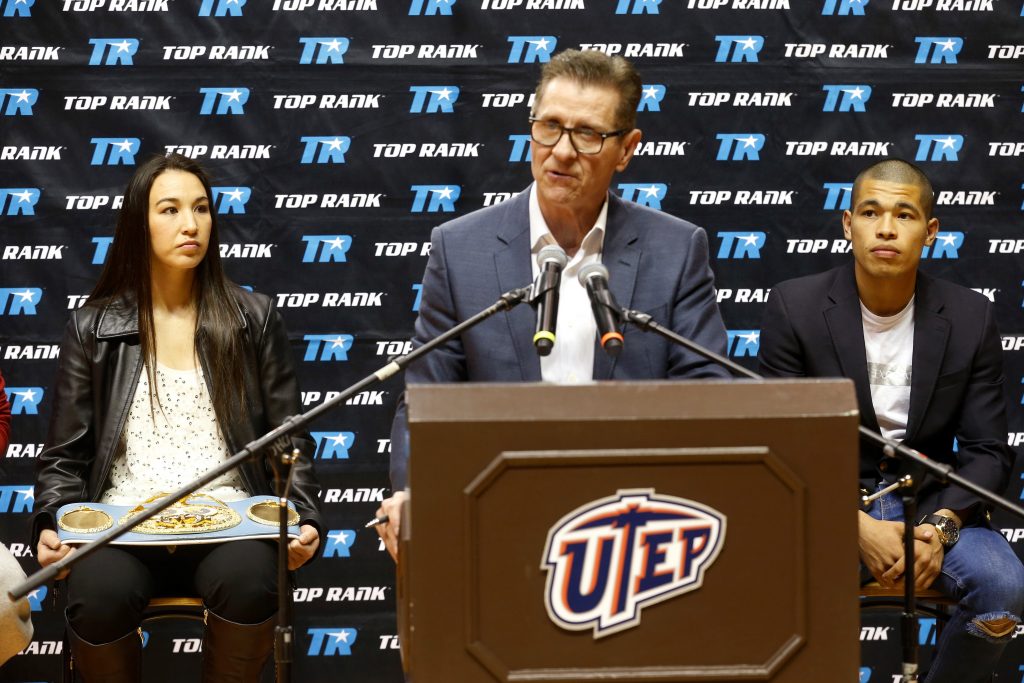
<point x="182" y="443"/>
<point x="889" y="343"/>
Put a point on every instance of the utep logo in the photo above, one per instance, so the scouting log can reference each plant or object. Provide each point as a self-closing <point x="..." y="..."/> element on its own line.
<point x="652" y="96"/>
<point x="230" y="199"/>
<point x="19" y="301"/>
<point x="433" y="98"/>
<point x="323" y="50"/>
<point x="339" y="543"/>
<point x="221" y="8"/>
<point x="99" y="257"/>
<point x="442" y="198"/>
<point x="36" y="597"/>
<point x="431" y="7"/>
<point x="521" y="150"/>
<point x="15" y="499"/>
<point x="327" y="347"/>
<point x="938" y="50"/>
<point x="638" y="7"/>
<point x="224" y="101"/>
<point x="114" y="151"/>
<point x="24" y="400"/>
<point x="744" y="343"/>
<point x="112" y="51"/>
<point x="946" y="245"/>
<point x="333" y="445"/>
<point x="23" y="200"/>
<point x="938" y="147"/>
<point x="644" y="195"/>
<point x="741" y="244"/>
<point x="529" y="49"/>
<point x="18" y="102"/>
<point x="324" y="149"/>
<point x="739" y="146"/>
<point x="846" y="97"/>
<point x="326" y="248"/>
<point x="609" y="558"/>
<point x="738" y="48"/>
<point x="844" y="7"/>
<point x="330" y="642"/>
<point x="837" y="196"/>
<point x="18" y="8"/>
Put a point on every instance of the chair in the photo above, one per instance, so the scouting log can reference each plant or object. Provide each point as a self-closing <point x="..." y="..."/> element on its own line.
<point x="158" y="608"/>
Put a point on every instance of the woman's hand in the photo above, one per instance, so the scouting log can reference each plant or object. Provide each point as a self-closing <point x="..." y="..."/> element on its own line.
<point x="50" y="549"/>
<point x="301" y="549"/>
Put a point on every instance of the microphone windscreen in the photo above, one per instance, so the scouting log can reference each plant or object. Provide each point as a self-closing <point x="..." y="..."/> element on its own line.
<point x="15" y="617"/>
<point x="552" y="253"/>
<point x="592" y="269"/>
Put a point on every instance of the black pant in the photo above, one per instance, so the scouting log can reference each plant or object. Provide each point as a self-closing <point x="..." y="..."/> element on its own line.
<point x="108" y="591"/>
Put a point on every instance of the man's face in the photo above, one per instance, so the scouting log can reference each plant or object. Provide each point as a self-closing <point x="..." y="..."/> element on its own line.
<point x="566" y="178"/>
<point x="888" y="228"/>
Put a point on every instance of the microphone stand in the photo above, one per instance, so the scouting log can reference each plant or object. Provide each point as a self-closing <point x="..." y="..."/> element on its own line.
<point x="916" y="463"/>
<point x="278" y="440"/>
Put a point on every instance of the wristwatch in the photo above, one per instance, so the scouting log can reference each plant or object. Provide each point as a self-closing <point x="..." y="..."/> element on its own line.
<point x="949" y="534"/>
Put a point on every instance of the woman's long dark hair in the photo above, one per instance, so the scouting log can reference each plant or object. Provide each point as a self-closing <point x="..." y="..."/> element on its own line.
<point x="218" y="320"/>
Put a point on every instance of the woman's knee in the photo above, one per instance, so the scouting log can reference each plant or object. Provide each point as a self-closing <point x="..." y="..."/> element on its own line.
<point x="238" y="581"/>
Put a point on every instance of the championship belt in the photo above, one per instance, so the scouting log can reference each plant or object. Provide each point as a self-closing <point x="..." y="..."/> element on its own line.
<point x="197" y="518"/>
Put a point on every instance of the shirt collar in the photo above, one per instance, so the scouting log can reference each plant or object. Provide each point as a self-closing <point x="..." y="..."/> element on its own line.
<point x="540" y="234"/>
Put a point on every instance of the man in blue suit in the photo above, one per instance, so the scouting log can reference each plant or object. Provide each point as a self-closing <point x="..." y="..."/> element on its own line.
<point x="583" y="132"/>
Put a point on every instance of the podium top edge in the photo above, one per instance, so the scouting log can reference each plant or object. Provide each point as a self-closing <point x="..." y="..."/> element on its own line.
<point x="648" y="400"/>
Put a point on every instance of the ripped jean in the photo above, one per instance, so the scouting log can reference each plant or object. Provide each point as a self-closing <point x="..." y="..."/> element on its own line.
<point x="984" y="575"/>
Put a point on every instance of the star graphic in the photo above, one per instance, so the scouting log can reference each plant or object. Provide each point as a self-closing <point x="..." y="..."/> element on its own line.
<point x="338" y="537"/>
<point x="855" y="93"/>
<point x="948" y="239"/>
<point x="27" y="295"/>
<point x="125" y="145"/>
<point x="446" y="193"/>
<point x="339" y="440"/>
<point x="336" y="243"/>
<point x="651" y="191"/>
<point x="235" y="194"/>
<point x="337" y="341"/>
<point x="34" y="595"/>
<point x="334" y="144"/>
<point x="748" y="43"/>
<point x="22" y="196"/>
<point x="332" y="45"/>
<point x="750" y="338"/>
<point x="750" y="239"/>
<point x="947" y="142"/>
<point x="748" y="141"/>
<point x="122" y="46"/>
<point x="947" y="45"/>
<point x="650" y="92"/>
<point x="233" y="95"/>
<point x="29" y="396"/>
<point x="23" y="96"/>
<point x="444" y="94"/>
<point x="541" y="44"/>
<point x="341" y="636"/>
<point x="28" y="493"/>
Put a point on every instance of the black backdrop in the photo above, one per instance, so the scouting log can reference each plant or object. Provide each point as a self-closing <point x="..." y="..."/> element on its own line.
<point x="339" y="132"/>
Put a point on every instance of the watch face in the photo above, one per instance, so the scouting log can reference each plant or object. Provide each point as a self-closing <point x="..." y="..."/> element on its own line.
<point x="948" y="533"/>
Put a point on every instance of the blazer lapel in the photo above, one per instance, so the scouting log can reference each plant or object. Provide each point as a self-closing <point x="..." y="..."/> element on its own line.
<point x="621" y="256"/>
<point x="512" y="261"/>
<point x="931" y="331"/>
<point x="846" y="329"/>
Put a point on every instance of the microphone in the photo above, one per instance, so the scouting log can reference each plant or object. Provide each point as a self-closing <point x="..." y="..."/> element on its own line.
<point x="551" y="260"/>
<point x="594" y="277"/>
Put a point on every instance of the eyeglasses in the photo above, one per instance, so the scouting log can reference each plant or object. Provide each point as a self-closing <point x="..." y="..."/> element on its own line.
<point x="583" y="140"/>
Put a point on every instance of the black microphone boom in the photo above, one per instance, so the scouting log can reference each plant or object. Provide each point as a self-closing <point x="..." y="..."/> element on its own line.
<point x="551" y="260"/>
<point x="594" y="277"/>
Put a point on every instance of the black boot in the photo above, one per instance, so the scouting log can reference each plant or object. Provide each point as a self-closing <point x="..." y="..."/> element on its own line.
<point x="235" y="653"/>
<point x="117" y="662"/>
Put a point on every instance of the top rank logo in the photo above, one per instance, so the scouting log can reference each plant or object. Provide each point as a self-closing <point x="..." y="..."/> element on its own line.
<point x="837" y="196"/>
<point x="938" y="50"/>
<point x="652" y="96"/>
<point x="230" y="199"/>
<point x="844" y="7"/>
<point x="645" y="195"/>
<point x="739" y="146"/>
<point x="432" y="99"/>
<point x="112" y="51"/>
<point x="17" y="8"/>
<point x="441" y="198"/>
<point x="530" y="49"/>
<point x="846" y="97"/>
<point x="16" y="201"/>
<point x="938" y="147"/>
<point x="323" y="50"/>
<point x="738" y="48"/>
<point x="221" y="101"/>
<point x="18" y="101"/>
<point x="431" y="7"/>
<point x="610" y="558"/>
<point x="637" y="7"/>
<point x="325" y="149"/>
<point x="221" y="8"/>
<point x="114" y="151"/>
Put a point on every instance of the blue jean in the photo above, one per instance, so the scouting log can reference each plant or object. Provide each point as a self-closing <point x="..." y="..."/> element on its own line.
<point x="983" y="574"/>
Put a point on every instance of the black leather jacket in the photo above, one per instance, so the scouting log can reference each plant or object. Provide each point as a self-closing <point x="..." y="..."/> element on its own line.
<point x="100" y="365"/>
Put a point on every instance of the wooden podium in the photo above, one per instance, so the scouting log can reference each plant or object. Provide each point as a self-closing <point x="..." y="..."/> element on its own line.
<point x="494" y="468"/>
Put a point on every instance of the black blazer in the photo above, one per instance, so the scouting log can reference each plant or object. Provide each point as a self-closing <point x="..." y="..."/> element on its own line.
<point x="813" y="328"/>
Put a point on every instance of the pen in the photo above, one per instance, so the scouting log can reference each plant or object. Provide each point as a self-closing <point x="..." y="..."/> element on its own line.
<point x="383" y="519"/>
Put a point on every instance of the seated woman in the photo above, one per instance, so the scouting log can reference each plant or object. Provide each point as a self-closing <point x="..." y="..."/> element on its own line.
<point x="167" y="370"/>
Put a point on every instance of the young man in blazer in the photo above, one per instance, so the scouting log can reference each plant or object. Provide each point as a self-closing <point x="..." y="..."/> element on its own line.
<point x="926" y="360"/>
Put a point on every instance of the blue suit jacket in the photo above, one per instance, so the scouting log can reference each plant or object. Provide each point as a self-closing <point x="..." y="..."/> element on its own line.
<point x="813" y="328"/>
<point x="656" y="263"/>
